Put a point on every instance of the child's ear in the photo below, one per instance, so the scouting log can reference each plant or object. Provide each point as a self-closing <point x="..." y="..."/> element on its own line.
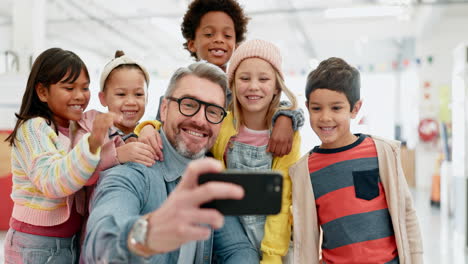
<point x="163" y="109"/>
<point x="356" y="108"/>
<point x="306" y="104"/>
<point x="102" y="98"/>
<point x="191" y="45"/>
<point x="42" y="92"/>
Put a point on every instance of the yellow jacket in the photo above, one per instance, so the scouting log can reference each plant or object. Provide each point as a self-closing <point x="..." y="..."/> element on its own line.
<point x="155" y="123"/>
<point x="275" y="242"/>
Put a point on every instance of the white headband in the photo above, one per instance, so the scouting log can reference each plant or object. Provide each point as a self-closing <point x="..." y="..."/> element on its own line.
<point x="122" y="60"/>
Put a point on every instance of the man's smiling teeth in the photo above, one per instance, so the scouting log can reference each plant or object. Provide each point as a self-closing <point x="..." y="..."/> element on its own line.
<point x="327" y="128"/>
<point x="193" y="133"/>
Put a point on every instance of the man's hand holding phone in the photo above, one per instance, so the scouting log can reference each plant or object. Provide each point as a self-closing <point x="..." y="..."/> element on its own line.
<point x="178" y="220"/>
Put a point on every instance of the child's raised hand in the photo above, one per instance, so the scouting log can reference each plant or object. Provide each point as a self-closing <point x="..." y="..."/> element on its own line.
<point x="281" y="137"/>
<point x="136" y="152"/>
<point x="100" y="131"/>
<point x="151" y="137"/>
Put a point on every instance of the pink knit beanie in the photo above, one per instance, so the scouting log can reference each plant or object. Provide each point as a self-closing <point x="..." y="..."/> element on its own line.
<point x="255" y="49"/>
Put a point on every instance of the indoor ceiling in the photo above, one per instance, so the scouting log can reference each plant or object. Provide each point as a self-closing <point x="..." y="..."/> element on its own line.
<point x="305" y="30"/>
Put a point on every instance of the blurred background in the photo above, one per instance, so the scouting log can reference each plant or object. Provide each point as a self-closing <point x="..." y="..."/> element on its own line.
<point x="412" y="55"/>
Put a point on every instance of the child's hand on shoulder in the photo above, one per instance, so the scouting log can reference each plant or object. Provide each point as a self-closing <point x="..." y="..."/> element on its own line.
<point x="281" y="137"/>
<point x="151" y="137"/>
<point x="131" y="139"/>
<point x="101" y="124"/>
<point x="136" y="152"/>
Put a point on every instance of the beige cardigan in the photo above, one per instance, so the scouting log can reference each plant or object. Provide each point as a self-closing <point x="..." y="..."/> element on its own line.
<point x="400" y="205"/>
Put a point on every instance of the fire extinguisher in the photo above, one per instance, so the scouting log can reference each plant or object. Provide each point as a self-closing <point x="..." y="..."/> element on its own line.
<point x="428" y="129"/>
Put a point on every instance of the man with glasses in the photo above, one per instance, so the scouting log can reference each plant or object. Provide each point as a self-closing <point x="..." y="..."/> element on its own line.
<point x="144" y="215"/>
<point x="198" y="129"/>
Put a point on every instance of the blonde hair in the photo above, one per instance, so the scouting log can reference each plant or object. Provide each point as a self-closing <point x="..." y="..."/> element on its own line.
<point x="236" y="108"/>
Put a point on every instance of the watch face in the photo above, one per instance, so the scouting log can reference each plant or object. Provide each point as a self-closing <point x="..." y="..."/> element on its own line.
<point x="139" y="229"/>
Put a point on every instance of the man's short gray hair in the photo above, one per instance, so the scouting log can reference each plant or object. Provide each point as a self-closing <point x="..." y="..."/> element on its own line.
<point x="201" y="69"/>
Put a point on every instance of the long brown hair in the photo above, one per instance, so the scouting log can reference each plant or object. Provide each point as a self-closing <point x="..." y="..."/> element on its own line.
<point x="50" y="67"/>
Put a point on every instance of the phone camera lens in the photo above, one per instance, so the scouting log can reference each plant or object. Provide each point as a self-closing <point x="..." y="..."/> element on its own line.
<point x="277" y="188"/>
<point x="270" y="187"/>
<point x="277" y="180"/>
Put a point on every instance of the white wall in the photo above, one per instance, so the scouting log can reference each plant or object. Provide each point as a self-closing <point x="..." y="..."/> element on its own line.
<point x="5" y="36"/>
<point x="8" y="102"/>
<point x="11" y="93"/>
<point x="439" y="43"/>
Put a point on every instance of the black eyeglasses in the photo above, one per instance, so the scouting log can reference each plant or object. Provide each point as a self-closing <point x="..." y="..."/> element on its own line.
<point x="189" y="106"/>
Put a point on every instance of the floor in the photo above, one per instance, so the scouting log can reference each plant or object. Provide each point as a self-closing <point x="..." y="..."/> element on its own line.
<point x="430" y="221"/>
<point x="441" y="244"/>
<point x="436" y="250"/>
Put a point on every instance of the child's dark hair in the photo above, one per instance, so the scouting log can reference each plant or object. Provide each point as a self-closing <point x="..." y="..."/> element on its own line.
<point x="336" y="75"/>
<point x="50" y="67"/>
<point x="198" y="8"/>
<point x="118" y="53"/>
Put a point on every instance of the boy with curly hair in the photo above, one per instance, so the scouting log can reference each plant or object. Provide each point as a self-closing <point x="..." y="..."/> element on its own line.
<point x="213" y="29"/>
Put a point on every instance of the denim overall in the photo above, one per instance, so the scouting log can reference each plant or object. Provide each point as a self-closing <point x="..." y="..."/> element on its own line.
<point x="30" y="249"/>
<point x="247" y="157"/>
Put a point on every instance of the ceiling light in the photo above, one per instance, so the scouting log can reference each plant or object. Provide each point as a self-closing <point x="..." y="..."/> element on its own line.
<point x="366" y="11"/>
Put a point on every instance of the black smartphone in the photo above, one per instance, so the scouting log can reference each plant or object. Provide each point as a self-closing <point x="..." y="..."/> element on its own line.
<point x="262" y="190"/>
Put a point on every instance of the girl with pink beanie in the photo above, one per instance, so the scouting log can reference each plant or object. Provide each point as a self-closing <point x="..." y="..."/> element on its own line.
<point x="256" y="81"/>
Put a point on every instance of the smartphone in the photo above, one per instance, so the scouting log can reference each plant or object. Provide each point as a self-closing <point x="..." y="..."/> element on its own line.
<point x="262" y="190"/>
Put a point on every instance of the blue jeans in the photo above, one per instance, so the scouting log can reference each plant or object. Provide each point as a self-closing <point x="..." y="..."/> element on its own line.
<point x="31" y="249"/>
<point x="254" y="226"/>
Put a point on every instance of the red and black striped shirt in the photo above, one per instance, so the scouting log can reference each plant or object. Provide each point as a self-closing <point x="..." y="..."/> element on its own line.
<point x="351" y="205"/>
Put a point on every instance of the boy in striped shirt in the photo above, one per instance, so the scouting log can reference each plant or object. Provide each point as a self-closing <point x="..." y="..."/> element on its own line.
<point x="351" y="202"/>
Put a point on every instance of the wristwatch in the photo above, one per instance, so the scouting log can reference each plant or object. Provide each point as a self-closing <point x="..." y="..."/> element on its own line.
<point x="137" y="237"/>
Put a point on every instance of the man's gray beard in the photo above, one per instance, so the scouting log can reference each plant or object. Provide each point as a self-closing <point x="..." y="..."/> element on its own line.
<point x="181" y="148"/>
